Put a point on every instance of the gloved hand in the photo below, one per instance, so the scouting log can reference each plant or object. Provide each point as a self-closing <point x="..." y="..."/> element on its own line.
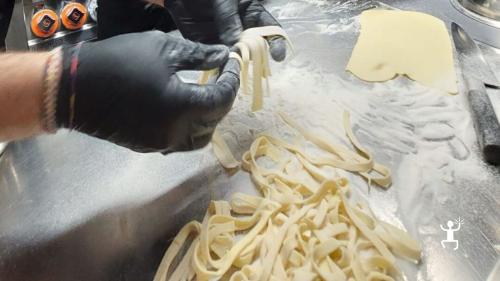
<point x="125" y="90"/>
<point x="117" y="17"/>
<point x="222" y="21"/>
<point x="6" y="8"/>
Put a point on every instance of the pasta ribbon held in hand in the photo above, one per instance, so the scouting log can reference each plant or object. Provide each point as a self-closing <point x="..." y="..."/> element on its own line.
<point x="253" y="48"/>
<point x="253" y="51"/>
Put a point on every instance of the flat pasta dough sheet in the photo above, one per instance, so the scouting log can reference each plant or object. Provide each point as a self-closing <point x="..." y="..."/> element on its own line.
<point x="407" y="43"/>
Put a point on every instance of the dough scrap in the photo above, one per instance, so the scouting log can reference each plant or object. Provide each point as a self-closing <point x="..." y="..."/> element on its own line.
<point x="408" y="43"/>
<point x="302" y="227"/>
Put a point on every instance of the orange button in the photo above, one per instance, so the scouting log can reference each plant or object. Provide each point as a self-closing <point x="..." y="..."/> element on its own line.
<point x="74" y="15"/>
<point x="44" y="23"/>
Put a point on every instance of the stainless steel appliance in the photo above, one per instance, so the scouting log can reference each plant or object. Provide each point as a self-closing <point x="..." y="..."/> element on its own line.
<point x="21" y="37"/>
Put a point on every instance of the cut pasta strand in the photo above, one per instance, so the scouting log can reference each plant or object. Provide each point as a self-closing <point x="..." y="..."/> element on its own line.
<point x="302" y="227"/>
<point x="253" y="50"/>
<point x="222" y="152"/>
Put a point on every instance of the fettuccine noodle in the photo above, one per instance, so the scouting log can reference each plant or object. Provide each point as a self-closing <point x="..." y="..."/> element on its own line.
<point x="253" y="49"/>
<point x="301" y="228"/>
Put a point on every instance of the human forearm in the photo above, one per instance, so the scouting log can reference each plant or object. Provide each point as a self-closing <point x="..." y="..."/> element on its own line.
<point x="21" y="91"/>
<point x="157" y="2"/>
<point x="123" y="89"/>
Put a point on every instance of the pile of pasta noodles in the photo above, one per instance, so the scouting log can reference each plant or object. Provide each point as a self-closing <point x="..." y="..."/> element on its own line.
<point x="302" y="227"/>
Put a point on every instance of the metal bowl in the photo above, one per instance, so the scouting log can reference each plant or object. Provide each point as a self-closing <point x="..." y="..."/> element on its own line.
<point x="485" y="8"/>
<point x="484" y="11"/>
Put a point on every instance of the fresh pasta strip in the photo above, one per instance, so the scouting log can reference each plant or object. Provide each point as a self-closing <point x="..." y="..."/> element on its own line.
<point x="206" y="75"/>
<point x="302" y="227"/>
<point x="361" y="162"/>
<point x="254" y="50"/>
<point x="219" y="145"/>
<point x="222" y="152"/>
<point x="174" y="248"/>
<point x="254" y="40"/>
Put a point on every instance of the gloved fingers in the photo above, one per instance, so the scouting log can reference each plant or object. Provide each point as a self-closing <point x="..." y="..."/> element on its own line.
<point x="216" y="104"/>
<point x="197" y="135"/>
<point x="277" y="44"/>
<point x="256" y="15"/>
<point x="202" y="134"/>
<point x="119" y="17"/>
<point x="234" y="49"/>
<point x="264" y="18"/>
<point x="213" y="101"/>
<point x="194" y="142"/>
<point x="277" y="48"/>
<point x="198" y="56"/>
<point x="231" y="67"/>
<point x="227" y="20"/>
<point x="229" y="83"/>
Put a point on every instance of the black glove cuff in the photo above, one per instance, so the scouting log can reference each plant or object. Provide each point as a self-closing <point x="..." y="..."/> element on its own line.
<point x="66" y="95"/>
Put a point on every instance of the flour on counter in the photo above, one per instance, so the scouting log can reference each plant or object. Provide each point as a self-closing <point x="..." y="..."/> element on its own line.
<point x="425" y="136"/>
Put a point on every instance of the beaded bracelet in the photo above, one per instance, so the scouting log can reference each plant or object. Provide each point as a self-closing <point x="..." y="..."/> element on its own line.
<point x="52" y="75"/>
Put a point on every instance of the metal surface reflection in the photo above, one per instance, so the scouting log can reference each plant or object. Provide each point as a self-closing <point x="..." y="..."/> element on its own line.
<point x="2" y="147"/>
<point x="471" y="11"/>
<point x="487" y="8"/>
<point x="73" y="208"/>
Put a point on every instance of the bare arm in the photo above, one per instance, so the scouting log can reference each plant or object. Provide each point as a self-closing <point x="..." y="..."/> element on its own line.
<point x="157" y="2"/>
<point x="21" y="90"/>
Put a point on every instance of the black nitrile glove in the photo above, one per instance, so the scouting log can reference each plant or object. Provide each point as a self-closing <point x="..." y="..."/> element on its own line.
<point x="125" y="90"/>
<point x="117" y="17"/>
<point x="6" y="7"/>
<point x="222" y="21"/>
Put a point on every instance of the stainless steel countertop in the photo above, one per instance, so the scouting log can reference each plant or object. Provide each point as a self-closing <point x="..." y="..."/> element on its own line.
<point x="76" y="208"/>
